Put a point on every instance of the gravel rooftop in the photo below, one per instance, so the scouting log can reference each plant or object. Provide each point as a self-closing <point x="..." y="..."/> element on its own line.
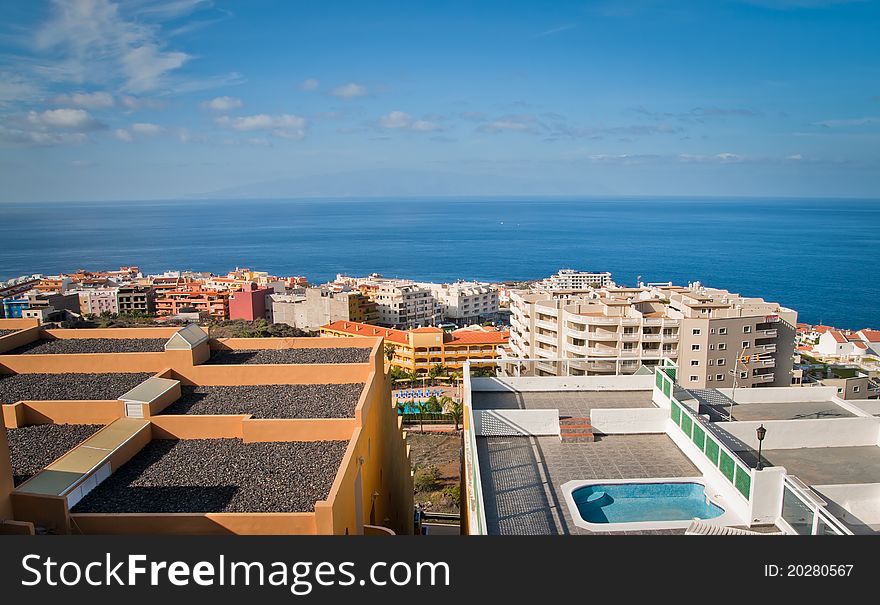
<point x="5" y="332"/>
<point x="282" y="356"/>
<point x="219" y="475"/>
<point x="33" y="447"/>
<point x="67" y="346"/>
<point x="270" y="401"/>
<point x="39" y="387"/>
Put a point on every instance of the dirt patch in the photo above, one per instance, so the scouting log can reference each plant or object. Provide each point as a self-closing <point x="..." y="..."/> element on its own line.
<point x="436" y="463"/>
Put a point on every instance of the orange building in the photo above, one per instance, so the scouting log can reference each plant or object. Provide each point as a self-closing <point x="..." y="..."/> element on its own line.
<point x="418" y="349"/>
<point x="211" y="302"/>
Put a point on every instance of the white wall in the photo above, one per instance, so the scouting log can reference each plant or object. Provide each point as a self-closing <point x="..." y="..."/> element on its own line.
<point x="629" y="420"/>
<point x="781" y="394"/>
<point x="766" y="495"/>
<point x="793" y="434"/>
<point x="492" y="423"/>
<point x="564" y="383"/>
<point x="857" y="504"/>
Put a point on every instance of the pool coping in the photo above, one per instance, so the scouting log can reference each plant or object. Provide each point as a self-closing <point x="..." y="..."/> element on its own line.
<point x="727" y="518"/>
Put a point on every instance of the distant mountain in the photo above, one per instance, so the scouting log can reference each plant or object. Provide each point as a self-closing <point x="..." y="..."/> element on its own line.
<point x="404" y="183"/>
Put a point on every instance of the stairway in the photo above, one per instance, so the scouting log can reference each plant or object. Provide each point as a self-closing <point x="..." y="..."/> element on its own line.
<point x="572" y="430"/>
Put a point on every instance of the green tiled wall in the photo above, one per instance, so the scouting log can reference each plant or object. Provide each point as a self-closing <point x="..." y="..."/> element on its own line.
<point x="686" y="424"/>
<point x="726" y="466"/>
<point x="667" y="389"/>
<point x="699" y="437"/>
<point x="743" y="481"/>
<point x="676" y="413"/>
<point x="712" y="450"/>
<point x="658" y="379"/>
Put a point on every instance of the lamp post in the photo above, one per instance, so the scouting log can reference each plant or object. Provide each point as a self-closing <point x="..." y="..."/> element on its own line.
<point x="761" y="432"/>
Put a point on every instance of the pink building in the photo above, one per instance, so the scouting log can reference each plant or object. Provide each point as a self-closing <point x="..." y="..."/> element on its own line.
<point x="250" y="303"/>
<point x="101" y="300"/>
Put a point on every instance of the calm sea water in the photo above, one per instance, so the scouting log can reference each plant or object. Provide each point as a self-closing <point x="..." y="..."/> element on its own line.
<point x="817" y="256"/>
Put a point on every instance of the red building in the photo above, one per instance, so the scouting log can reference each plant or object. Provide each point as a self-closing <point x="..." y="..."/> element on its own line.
<point x="250" y="303"/>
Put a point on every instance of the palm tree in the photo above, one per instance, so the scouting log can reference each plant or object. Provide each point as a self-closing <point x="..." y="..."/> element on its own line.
<point x="437" y="370"/>
<point x="389" y="351"/>
<point x="422" y="409"/>
<point x="454" y="408"/>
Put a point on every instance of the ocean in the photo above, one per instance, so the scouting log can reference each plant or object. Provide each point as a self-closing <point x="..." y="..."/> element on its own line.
<point x="816" y="256"/>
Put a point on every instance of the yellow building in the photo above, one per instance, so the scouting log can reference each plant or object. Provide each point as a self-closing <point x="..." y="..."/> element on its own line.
<point x="419" y="349"/>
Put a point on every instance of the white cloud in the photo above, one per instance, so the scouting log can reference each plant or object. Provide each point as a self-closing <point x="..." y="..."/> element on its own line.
<point x="123" y="135"/>
<point x="89" y="100"/>
<point x="146" y="129"/>
<point x="848" y="122"/>
<point x="310" y="84"/>
<point x="349" y="91"/>
<point x="69" y="119"/>
<point x="282" y="125"/>
<point x="222" y="104"/>
<point x="506" y="125"/>
<point x="400" y="120"/>
<point x="132" y="103"/>
<point x="101" y="41"/>
<point x="16" y="88"/>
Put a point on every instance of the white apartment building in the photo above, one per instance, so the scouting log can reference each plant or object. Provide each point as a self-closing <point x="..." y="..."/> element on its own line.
<point x="465" y="302"/>
<point x="709" y="333"/>
<point x="406" y="305"/>
<point x="571" y="280"/>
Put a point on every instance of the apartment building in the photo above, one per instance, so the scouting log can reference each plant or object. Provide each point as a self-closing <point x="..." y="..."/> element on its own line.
<point x="211" y="303"/>
<point x="319" y="306"/>
<point x="137" y="299"/>
<point x="572" y="280"/>
<point x="406" y="305"/>
<point x="99" y="300"/>
<point x="249" y="303"/>
<point x="465" y="303"/>
<point x="710" y="333"/>
<point x="418" y="349"/>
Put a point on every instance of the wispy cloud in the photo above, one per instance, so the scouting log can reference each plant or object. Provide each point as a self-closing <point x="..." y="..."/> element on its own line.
<point x="223" y="104"/>
<point x="71" y="119"/>
<point x="400" y="120"/>
<point x="848" y="123"/>
<point x="555" y="30"/>
<point x="283" y="125"/>
<point x="309" y="84"/>
<point x="349" y="91"/>
<point x="88" y="100"/>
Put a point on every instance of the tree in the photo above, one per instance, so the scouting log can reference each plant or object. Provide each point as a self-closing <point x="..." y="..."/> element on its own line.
<point x="413" y="378"/>
<point x="422" y="409"/>
<point x="454" y="408"/>
<point x="437" y="370"/>
<point x="389" y="352"/>
<point x="432" y="405"/>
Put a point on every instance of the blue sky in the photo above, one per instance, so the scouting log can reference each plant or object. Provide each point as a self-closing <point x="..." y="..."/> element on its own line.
<point x="104" y="100"/>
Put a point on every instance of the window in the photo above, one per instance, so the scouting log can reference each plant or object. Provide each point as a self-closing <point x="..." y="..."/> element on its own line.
<point x="696" y="331"/>
<point x="746" y="344"/>
<point x="695" y="347"/>
<point x="711" y="330"/>
<point x="719" y="377"/>
<point x="694" y="378"/>
<point x="747" y="329"/>
<point x="743" y="374"/>
<point x="709" y="378"/>
<point x="711" y="362"/>
<point x="856" y="389"/>
<point x="722" y="331"/>
<point x="711" y="347"/>
<point x="721" y="361"/>
<point x="695" y="362"/>
<point x="722" y="346"/>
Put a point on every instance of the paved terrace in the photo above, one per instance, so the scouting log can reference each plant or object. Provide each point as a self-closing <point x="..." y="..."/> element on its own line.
<point x="569" y="403"/>
<point x="522" y="476"/>
<point x="717" y="406"/>
<point x="824" y="465"/>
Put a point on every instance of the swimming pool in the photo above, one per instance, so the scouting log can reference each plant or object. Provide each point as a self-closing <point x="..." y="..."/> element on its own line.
<point x="641" y="504"/>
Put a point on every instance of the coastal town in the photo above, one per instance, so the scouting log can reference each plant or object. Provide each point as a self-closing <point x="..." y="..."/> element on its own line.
<point x="448" y="377"/>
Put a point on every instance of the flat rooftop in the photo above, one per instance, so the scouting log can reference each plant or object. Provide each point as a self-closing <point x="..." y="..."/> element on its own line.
<point x="270" y="401"/>
<point x="291" y="356"/>
<point x="569" y="403"/>
<point x="219" y="475"/>
<point x="797" y="410"/>
<point x="69" y="346"/>
<point x="522" y="476"/>
<point x="41" y="387"/>
<point x="33" y="447"/>
<point x="5" y="332"/>
<point x="825" y="465"/>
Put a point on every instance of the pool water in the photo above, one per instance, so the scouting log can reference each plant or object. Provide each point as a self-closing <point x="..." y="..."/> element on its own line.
<point x="634" y="502"/>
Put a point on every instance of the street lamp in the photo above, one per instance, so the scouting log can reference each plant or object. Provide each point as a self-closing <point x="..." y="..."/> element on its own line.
<point x="761" y="432"/>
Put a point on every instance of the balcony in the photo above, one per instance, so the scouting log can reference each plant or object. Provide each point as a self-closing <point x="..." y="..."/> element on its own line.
<point x="576" y="333"/>
<point x="652" y="321"/>
<point x="629" y="353"/>
<point x="545" y="353"/>
<point x="652" y="353"/>
<point x="630" y="321"/>
<point x="545" y="338"/>
<point x="763" y="378"/>
<point x="632" y="337"/>
<point x="670" y="338"/>
<point x="650" y="337"/>
<point x="767" y="348"/>
<point x="603" y="335"/>
<point x="605" y="351"/>
<point x="768" y="363"/>
<point x="768" y="333"/>
<point x="547" y="325"/>
<point x="603" y="321"/>
<point x="582" y="350"/>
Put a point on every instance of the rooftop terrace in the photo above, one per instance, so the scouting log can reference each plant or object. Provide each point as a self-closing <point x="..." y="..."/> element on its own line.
<point x="50" y="387"/>
<point x="569" y="403"/>
<point x="69" y="346"/>
<point x="270" y="401"/>
<point x="219" y="475"/>
<point x="825" y="465"/>
<point x="522" y="476"/>
<point x="291" y="356"/>
<point x="33" y="447"/>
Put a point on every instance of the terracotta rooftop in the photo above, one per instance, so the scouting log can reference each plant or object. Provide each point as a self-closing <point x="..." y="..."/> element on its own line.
<point x="358" y="329"/>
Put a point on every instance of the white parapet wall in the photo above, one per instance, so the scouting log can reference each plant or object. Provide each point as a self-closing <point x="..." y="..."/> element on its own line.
<point x="856" y="504"/>
<point x="781" y="394"/>
<point x="564" y="383"/>
<point x="623" y="421"/>
<point x="794" y="434"/>
<point x="499" y="423"/>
